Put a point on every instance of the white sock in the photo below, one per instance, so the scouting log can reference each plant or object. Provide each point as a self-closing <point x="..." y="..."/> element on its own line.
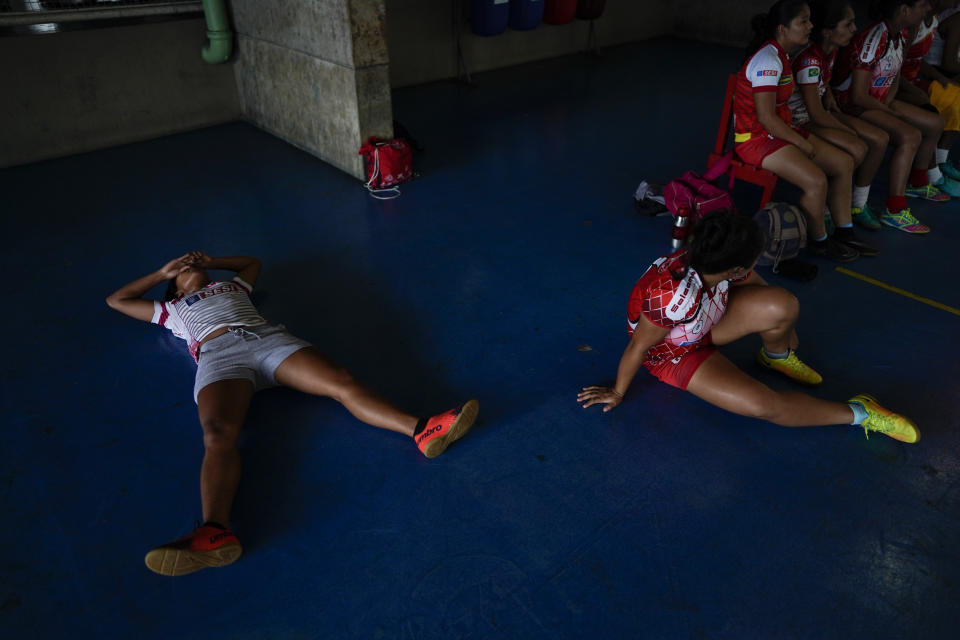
<point x="935" y="175"/>
<point x="860" y="195"/>
<point x="942" y="155"/>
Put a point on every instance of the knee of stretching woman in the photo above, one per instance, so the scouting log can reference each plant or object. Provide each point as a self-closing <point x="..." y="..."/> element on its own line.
<point x="762" y="117"/>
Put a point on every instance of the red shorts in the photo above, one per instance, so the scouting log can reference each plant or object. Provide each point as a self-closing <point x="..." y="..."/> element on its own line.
<point x="754" y="150"/>
<point x="678" y="375"/>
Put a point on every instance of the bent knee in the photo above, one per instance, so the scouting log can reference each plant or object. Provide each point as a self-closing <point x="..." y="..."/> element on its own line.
<point x="879" y="140"/>
<point x="860" y="151"/>
<point x="782" y="305"/>
<point x="814" y="182"/>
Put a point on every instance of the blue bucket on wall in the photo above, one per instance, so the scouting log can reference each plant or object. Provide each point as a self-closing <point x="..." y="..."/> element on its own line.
<point x="525" y="14"/>
<point x="489" y="17"/>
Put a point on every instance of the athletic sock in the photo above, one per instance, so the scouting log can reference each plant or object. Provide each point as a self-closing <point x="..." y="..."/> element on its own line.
<point x="942" y="155"/>
<point x="896" y="204"/>
<point x="421" y="425"/>
<point x="859" y="413"/>
<point x="934" y="175"/>
<point x="918" y="178"/>
<point x="776" y="356"/>
<point x="860" y="195"/>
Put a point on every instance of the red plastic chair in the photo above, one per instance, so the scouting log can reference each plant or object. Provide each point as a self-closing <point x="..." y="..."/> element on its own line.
<point x="741" y="171"/>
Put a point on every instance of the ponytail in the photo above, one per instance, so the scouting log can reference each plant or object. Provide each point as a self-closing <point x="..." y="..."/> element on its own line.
<point x="765" y="25"/>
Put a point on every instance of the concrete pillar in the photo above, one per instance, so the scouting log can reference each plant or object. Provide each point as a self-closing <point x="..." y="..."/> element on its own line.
<point x="315" y="73"/>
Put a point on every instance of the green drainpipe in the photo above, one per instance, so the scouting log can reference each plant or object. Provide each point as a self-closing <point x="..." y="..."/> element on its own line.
<point x="218" y="49"/>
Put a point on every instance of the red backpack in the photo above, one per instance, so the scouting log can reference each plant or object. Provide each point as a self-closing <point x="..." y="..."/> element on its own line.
<point x="389" y="162"/>
<point x="693" y="196"/>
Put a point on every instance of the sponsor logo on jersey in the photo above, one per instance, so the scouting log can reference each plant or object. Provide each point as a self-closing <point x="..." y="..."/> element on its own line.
<point x="767" y="72"/>
<point x="883" y="81"/>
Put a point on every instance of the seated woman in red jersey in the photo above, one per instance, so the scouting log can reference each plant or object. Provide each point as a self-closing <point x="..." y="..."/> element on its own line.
<point x="238" y="353"/>
<point x="706" y="295"/>
<point x="765" y="137"/>
<point x="865" y="84"/>
<point x="927" y="84"/>
<point x="815" y="109"/>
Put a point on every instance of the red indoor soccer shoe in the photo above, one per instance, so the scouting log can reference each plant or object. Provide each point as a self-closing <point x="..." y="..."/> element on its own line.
<point x="443" y="429"/>
<point x="207" y="546"/>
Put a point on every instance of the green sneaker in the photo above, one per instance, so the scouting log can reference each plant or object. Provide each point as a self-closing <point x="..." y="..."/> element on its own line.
<point x="904" y="221"/>
<point x="864" y="217"/>
<point x="927" y="192"/>
<point x="884" y="421"/>
<point x="950" y="170"/>
<point x="792" y="367"/>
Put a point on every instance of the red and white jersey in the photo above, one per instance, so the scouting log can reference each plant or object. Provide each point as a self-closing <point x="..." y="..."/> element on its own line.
<point x="810" y="66"/>
<point x="766" y="70"/>
<point x="679" y="303"/>
<point x="217" y="305"/>
<point x="875" y="50"/>
<point x="935" y="54"/>
<point x="919" y="48"/>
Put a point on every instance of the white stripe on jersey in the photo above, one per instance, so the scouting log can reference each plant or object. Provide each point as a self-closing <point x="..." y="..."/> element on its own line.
<point x="217" y="305"/>
<point x="871" y="44"/>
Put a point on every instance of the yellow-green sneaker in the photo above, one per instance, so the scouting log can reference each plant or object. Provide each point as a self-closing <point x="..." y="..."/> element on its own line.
<point x="792" y="367"/>
<point x="884" y="421"/>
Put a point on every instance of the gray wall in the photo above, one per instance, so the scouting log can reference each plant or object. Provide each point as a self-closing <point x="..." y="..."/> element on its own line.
<point x="70" y="92"/>
<point x="422" y="42"/>
<point x="315" y="73"/>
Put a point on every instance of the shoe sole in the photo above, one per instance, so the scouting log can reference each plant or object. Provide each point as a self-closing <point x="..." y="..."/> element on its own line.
<point x="869" y="253"/>
<point x="835" y="259"/>
<point x="785" y="374"/>
<point x="913" y="233"/>
<point x="457" y="430"/>
<point x="947" y="199"/>
<point x="179" y="562"/>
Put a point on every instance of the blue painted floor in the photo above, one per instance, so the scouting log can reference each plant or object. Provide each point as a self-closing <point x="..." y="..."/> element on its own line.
<point x="503" y="274"/>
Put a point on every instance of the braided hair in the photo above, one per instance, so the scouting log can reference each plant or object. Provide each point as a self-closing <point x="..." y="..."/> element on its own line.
<point x="765" y="25"/>
<point x="723" y="240"/>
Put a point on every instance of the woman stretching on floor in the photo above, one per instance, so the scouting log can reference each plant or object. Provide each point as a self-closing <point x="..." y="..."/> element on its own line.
<point x="765" y="137"/>
<point x="707" y="295"/>
<point x="237" y="354"/>
<point x="814" y="107"/>
<point x="865" y="84"/>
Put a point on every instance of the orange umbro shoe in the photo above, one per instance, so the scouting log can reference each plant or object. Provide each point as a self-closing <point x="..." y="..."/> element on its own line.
<point x="207" y="546"/>
<point x="443" y="429"/>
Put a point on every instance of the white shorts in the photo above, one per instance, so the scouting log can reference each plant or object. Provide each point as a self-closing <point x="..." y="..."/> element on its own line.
<point x="246" y="353"/>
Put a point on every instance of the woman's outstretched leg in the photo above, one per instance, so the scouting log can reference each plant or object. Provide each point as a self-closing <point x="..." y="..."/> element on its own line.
<point x="310" y="371"/>
<point x="222" y="407"/>
<point x="722" y="384"/>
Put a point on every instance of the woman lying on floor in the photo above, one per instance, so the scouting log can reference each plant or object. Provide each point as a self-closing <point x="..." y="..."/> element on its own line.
<point x="706" y="295"/>
<point x="237" y="354"/>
